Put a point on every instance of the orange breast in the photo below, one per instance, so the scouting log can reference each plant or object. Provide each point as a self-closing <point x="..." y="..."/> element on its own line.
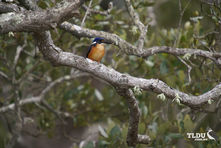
<point x="96" y="53"/>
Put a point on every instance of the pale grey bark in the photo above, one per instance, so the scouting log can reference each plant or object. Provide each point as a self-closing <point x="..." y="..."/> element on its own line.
<point x="42" y="20"/>
<point x="38" y="20"/>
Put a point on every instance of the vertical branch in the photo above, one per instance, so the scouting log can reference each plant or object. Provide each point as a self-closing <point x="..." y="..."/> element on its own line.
<point x="134" y="115"/>
<point x="14" y="81"/>
<point x="86" y="13"/>
<point x="177" y="36"/>
<point x="143" y="29"/>
<point x="180" y="20"/>
<point x="19" y="120"/>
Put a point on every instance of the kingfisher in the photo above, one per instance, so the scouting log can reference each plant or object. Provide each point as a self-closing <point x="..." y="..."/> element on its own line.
<point x="96" y="50"/>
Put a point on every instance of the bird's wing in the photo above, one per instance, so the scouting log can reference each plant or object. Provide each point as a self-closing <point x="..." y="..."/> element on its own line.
<point x="89" y="50"/>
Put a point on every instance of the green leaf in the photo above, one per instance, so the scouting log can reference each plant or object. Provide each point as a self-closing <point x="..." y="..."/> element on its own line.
<point x="188" y="124"/>
<point x="181" y="75"/>
<point x="163" y="68"/>
<point x="115" y="132"/>
<point x="102" y="144"/>
<point x="175" y="135"/>
<point x="89" y="145"/>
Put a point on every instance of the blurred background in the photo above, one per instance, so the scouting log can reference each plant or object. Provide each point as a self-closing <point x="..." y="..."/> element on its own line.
<point x="82" y="111"/>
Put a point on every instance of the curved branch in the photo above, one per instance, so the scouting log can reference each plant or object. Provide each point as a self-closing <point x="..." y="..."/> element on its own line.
<point x="43" y="93"/>
<point x="132" y="50"/>
<point x="118" y="79"/>
<point x="134" y="115"/>
<point x="56" y="56"/>
<point x="40" y="19"/>
<point x="143" y="29"/>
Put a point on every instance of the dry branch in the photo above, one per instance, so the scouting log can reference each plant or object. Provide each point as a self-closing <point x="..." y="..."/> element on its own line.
<point x="5" y="7"/>
<point x="38" y="20"/>
<point x="40" y="97"/>
<point x="134" y="115"/>
<point x="118" y="79"/>
<point x="143" y="29"/>
<point x="132" y="50"/>
<point x="42" y="20"/>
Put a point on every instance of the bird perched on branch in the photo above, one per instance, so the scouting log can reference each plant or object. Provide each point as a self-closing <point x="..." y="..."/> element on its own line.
<point x="96" y="50"/>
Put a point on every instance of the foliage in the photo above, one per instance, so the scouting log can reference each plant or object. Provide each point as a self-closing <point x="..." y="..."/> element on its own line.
<point x="90" y="100"/>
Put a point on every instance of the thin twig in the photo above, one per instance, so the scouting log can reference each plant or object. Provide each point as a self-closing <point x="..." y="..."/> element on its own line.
<point x="43" y="93"/>
<point x="188" y="71"/>
<point x="105" y="13"/>
<point x="182" y="11"/>
<point x="2" y="74"/>
<point x="86" y="13"/>
<point x="143" y="29"/>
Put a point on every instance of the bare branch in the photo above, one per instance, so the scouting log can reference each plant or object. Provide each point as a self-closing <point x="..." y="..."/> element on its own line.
<point x="182" y="11"/>
<point x="21" y="102"/>
<point x="118" y="79"/>
<point x="40" y="19"/>
<point x="43" y="93"/>
<point x="98" y="11"/>
<point x="143" y="29"/>
<point x="134" y="115"/>
<point x="17" y="55"/>
<point x="132" y="50"/>
<point x="45" y="23"/>
<point x="5" y="7"/>
<point x="16" y="88"/>
<point x="26" y="74"/>
<point x="188" y="71"/>
<point x="86" y="13"/>
<point x="134" y="16"/>
<point x="2" y="74"/>
<point x="48" y="107"/>
<point x="29" y="4"/>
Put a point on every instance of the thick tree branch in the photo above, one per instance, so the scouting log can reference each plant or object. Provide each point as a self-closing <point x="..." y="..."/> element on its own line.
<point x="118" y="79"/>
<point x="48" y="19"/>
<point x="29" y="4"/>
<point x="134" y="115"/>
<point x="5" y="7"/>
<point x="40" y="19"/>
